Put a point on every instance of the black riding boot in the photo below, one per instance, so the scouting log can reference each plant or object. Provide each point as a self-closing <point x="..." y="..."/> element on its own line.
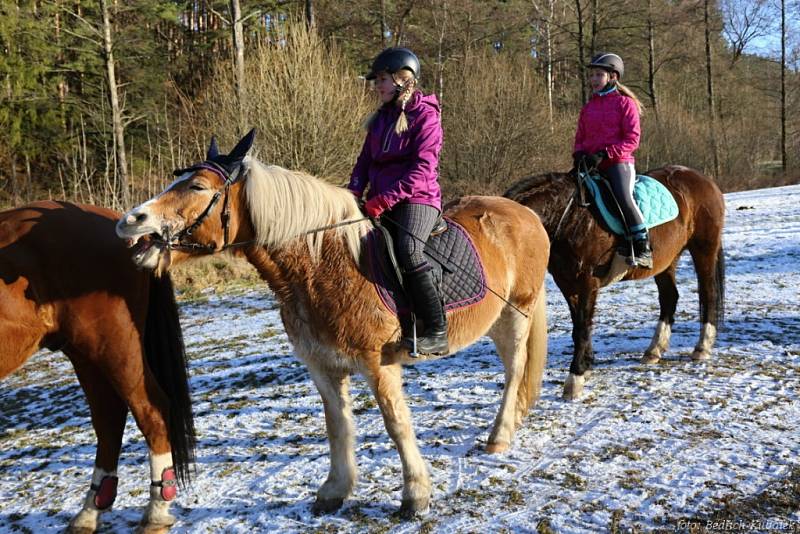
<point x="643" y="256"/>
<point x="428" y="307"/>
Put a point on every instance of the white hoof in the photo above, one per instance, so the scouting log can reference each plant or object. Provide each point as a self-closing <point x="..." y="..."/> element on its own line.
<point x="573" y="387"/>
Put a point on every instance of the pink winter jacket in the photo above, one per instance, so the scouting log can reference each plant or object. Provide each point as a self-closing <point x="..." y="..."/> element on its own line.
<point x="609" y="122"/>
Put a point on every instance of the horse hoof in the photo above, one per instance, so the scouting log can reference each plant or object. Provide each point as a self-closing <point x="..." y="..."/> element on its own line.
<point x="499" y="446"/>
<point x="573" y="387"/>
<point x="411" y="508"/>
<point x="650" y="357"/>
<point x="79" y="530"/>
<point x="152" y="528"/>
<point x="326" y="506"/>
<point x="700" y="355"/>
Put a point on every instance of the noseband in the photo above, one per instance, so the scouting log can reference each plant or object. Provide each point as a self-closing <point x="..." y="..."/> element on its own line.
<point x="178" y="242"/>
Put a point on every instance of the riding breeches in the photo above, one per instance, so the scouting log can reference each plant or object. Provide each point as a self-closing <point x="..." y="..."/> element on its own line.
<point x="414" y="223"/>
<point x="622" y="176"/>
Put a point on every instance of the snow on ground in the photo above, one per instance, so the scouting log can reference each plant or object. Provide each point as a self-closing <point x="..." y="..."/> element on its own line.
<point x="647" y="447"/>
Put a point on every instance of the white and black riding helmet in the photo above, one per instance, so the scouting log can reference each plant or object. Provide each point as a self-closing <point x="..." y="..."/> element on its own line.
<point x="608" y="61"/>
<point x="394" y="60"/>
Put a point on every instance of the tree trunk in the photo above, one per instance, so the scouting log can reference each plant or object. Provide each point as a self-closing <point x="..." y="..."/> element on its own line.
<point x="384" y="27"/>
<point x="310" y="22"/>
<point x="651" y="59"/>
<point x="783" y="86"/>
<point x="116" y="111"/>
<point x="548" y="37"/>
<point x="440" y="53"/>
<point x="581" y="58"/>
<point x="238" y="59"/>
<point x="710" y="92"/>
<point x="593" y="41"/>
<point x="14" y="188"/>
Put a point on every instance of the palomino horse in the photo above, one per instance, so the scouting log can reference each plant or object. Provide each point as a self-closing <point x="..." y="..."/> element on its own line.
<point x="67" y="283"/>
<point x="332" y="315"/>
<point x="583" y="258"/>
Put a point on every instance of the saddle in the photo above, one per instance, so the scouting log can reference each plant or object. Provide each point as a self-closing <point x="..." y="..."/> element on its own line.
<point x="656" y="203"/>
<point x="457" y="269"/>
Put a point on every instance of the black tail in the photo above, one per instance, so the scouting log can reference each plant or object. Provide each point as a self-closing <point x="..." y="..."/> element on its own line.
<point x="719" y="279"/>
<point x="166" y="356"/>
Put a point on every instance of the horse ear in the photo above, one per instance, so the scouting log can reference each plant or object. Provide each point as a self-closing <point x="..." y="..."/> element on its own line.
<point x="243" y="146"/>
<point x="213" y="149"/>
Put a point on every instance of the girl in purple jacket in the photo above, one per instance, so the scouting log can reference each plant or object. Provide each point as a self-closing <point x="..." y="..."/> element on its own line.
<point x="608" y="134"/>
<point x="399" y="162"/>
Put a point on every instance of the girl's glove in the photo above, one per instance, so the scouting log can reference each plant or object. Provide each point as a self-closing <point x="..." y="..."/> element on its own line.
<point x="375" y="206"/>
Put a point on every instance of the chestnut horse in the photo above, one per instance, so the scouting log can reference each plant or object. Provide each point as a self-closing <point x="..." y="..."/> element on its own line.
<point x="67" y="283"/>
<point x="583" y="258"/>
<point x="305" y="238"/>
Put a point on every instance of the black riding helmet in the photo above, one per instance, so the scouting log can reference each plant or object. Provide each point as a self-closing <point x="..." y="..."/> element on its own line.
<point x="394" y="60"/>
<point x="608" y="61"/>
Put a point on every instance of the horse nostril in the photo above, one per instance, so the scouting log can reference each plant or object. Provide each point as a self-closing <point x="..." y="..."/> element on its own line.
<point x="135" y="218"/>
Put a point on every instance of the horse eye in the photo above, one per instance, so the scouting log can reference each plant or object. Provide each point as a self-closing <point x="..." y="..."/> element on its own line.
<point x="197" y="187"/>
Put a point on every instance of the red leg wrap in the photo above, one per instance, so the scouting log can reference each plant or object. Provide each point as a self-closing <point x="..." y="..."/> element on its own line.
<point x="106" y="492"/>
<point x="168" y="484"/>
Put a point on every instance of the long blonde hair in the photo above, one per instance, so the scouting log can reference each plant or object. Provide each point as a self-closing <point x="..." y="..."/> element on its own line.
<point x="625" y="90"/>
<point x="409" y="83"/>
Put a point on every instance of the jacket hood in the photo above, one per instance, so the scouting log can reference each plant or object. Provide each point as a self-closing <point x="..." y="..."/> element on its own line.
<point x="417" y="102"/>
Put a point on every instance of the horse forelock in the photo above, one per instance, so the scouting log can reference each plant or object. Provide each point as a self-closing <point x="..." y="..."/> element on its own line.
<point x="285" y="205"/>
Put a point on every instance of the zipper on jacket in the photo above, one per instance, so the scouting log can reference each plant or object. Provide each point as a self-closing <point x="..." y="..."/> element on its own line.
<point x="387" y="138"/>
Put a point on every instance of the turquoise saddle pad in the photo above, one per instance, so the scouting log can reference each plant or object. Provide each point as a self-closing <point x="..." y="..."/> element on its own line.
<point x="655" y="201"/>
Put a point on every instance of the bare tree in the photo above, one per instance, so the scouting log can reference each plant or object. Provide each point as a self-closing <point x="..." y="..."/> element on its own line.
<point x="237" y="30"/>
<point x="116" y="110"/>
<point x="743" y="22"/>
<point x="545" y="15"/>
<point x="710" y="89"/>
<point x="310" y="22"/>
<point x="651" y="59"/>
<point x="581" y="52"/>
<point x="783" y="86"/>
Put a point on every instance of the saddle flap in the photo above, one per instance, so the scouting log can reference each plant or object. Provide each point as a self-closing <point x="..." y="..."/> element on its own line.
<point x="457" y="269"/>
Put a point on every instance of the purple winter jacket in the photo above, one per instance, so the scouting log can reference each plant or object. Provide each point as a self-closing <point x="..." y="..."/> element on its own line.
<point x="402" y="167"/>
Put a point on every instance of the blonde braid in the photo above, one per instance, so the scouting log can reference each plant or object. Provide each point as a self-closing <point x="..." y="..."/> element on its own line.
<point x="402" y="122"/>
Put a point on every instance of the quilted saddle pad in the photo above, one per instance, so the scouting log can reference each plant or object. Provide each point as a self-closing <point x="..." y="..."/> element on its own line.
<point x="655" y="201"/>
<point x="457" y="269"/>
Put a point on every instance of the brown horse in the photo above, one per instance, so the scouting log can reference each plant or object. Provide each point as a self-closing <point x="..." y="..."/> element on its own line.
<point x="67" y="283"/>
<point x="331" y="312"/>
<point x="583" y="258"/>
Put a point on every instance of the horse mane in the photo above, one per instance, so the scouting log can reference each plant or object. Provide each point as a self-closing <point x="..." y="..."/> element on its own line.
<point x="531" y="184"/>
<point x="285" y="205"/>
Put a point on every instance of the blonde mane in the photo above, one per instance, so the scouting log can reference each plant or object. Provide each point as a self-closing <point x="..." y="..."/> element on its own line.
<point x="285" y="204"/>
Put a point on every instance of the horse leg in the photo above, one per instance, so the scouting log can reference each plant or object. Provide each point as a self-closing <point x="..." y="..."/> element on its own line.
<point x="510" y="335"/>
<point x="109" y="413"/>
<point x="387" y="386"/>
<point x="149" y="405"/>
<point x="581" y="308"/>
<point x="334" y="388"/>
<point x="668" y="301"/>
<point x="709" y="267"/>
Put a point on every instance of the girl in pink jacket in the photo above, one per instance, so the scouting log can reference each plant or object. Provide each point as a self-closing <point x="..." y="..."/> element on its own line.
<point x="399" y="161"/>
<point x="608" y="134"/>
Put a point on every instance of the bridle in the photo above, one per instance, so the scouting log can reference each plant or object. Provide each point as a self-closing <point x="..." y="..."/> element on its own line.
<point x="178" y="241"/>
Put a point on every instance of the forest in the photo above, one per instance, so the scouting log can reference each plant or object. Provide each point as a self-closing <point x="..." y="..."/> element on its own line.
<point x="102" y="99"/>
